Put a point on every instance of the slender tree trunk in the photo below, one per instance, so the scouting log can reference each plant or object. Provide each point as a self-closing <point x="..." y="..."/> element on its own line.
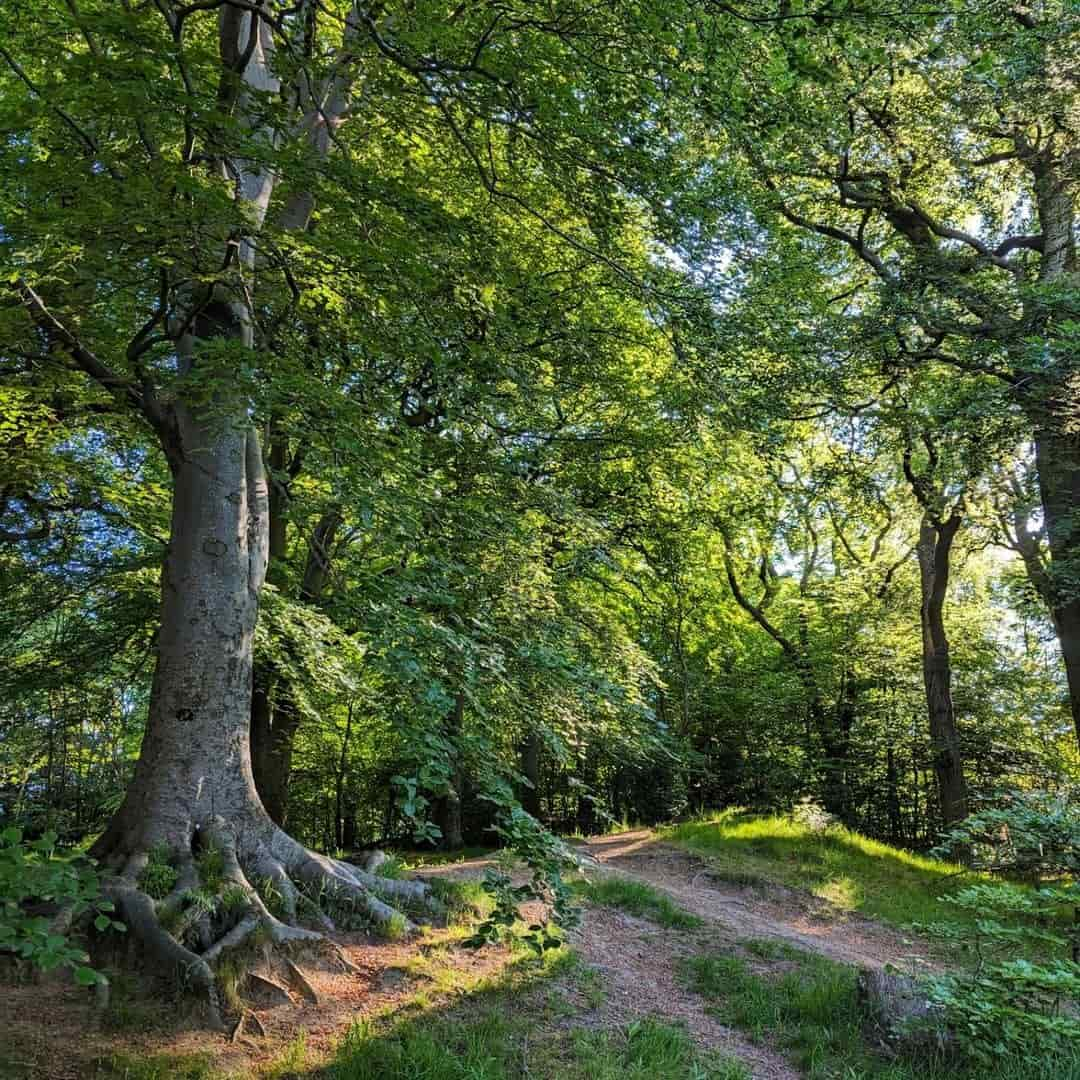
<point x="275" y="719"/>
<point x="448" y="808"/>
<point x="1058" y="461"/>
<point x="892" y="796"/>
<point x="934" y="551"/>
<point x="530" y="768"/>
<point x="339" y="784"/>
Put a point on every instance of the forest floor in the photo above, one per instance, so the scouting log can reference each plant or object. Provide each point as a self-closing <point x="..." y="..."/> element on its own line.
<point x="626" y="1000"/>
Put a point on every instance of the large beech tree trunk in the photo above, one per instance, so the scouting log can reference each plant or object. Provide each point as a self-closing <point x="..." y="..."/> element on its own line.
<point x="194" y="787"/>
<point x="934" y="551"/>
<point x="195" y="763"/>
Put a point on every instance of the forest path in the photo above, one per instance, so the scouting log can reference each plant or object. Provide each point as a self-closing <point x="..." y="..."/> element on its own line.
<point x="639" y="961"/>
<point x="755" y="911"/>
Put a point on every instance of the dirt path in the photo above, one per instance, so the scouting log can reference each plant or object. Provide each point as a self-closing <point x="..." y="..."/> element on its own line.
<point x="639" y="962"/>
<point x="751" y="912"/>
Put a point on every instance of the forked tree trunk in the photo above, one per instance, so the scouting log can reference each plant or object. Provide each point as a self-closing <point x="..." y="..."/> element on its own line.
<point x="934" y="551"/>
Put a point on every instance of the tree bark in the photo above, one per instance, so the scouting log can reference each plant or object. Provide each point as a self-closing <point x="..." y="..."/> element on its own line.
<point x="530" y="768"/>
<point x="1057" y="454"/>
<point x="934" y="551"/>
<point x="195" y="761"/>
<point x="448" y="807"/>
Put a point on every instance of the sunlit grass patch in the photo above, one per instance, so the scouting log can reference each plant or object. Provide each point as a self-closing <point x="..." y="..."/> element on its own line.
<point x="637" y="898"/>
<point x="158" y="1067"/>
<point x="417" y="860"/>
<point x="842" y="867"/>
<point x="465" y="900"/>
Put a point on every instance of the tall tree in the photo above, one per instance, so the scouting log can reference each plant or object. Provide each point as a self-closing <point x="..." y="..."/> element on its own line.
<point x="947" y="193"/>
<point x="181" y="260"/>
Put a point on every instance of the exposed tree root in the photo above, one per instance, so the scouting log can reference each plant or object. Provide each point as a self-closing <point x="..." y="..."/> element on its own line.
<point x="186" y="933"/>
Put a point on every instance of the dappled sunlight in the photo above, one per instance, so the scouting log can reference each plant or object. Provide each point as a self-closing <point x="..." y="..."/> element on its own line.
<point x="843" y="892"/>
<point x="842" y="868"/>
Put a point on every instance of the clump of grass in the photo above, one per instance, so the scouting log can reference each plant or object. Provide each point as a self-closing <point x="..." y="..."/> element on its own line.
<point x="395" y="928"/>
<point x="289" y="1062"/>
<point x="158" y="876"/>
<point x="813" y="1011"/>
<point x="591" y="984"/>
<point x="465" y="900"/>
<point x="158" y="1067"/>
<point x="210" y="863"/>
<point x="393" y="869"/>
<point x="271" y="895"/>
<point x="637" y="898"/>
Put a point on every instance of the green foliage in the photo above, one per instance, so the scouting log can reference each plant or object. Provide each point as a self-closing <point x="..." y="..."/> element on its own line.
<point x="1023" y="980"/>
<point x="638" y="898"/>
<point x="32" y="873"/>
<point x="810" y="1005"/>
<point x="158" y="876"/>
<point x="1031" y="835"/>
<point x="546" y="857"/>
<point x="1008" y="1007"/>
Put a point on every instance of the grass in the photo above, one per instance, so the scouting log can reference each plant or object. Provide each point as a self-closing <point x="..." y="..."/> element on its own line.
<point x="158" y="1067"/>
<point x="809" y="1006"/>
<point x="465" y="900"/>
<point x="417" y="860"/>
<point x="845" y="869"/>
<point x="484" y="1044"/>
<point x="637" y="898"/>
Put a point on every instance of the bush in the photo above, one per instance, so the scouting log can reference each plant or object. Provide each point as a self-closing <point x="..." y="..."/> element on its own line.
<point x="1032" y="836"/>
<point x="34" y="878"/>
<point x="1005" y="1005"/>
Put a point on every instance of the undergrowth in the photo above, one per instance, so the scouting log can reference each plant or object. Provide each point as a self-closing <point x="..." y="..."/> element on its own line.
<point x="809" y="1006"/>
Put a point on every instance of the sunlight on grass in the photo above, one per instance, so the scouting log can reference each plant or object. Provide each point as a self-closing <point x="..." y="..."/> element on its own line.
<point x="157" y="1067"/>
<point x="488" y="1044"/>
<point x="842" y="867"/>
<point x="637" y="898"/>
<point x="842" y="892"/>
